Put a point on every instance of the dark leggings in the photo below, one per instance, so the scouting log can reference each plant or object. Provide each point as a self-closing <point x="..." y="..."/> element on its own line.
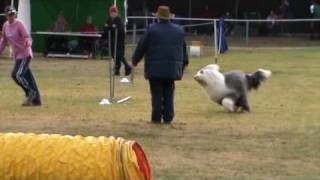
<point x="22" y="75"/>
<point x="120" y="57"/>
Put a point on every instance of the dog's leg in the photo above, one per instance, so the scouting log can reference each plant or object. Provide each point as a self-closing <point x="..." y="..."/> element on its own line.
<point x="244" y="103"/>
<point x="229" y="104"/>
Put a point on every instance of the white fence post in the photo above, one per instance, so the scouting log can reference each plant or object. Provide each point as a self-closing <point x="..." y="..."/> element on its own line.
<point x="134" y="33"/>
<point x="215" y="40"/>
<point x="247" y="33"/>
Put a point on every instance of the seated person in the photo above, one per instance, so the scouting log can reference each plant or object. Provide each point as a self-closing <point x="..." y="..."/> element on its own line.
<point x="88" y="44"/>
<point x="58" y="43"/>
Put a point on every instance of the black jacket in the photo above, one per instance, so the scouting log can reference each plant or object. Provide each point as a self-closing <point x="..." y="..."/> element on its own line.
<point x="111" y="25"/>
<point x="165" y="51"/>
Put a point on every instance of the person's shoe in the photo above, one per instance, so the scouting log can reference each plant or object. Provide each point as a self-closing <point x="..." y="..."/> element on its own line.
<point x="128" y="71"/>
<point x="155" y="122"/>
<point x="117" y="73"/>
<point x="27" y="102"/>
<point x="37" y="102"/>
<point x="30" y="100"/>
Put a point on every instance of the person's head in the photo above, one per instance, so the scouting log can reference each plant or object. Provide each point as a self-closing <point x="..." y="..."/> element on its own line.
<point x="61" y="17"/>
<point x="272" y="12"/>
<point x="11" y="13"/>
<point x="163" y="13"/>
<point x="113" y="11"/>
<point x="89" y="20"/>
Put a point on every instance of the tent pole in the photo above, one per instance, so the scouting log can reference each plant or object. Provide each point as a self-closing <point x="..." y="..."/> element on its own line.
<point x="215" y="41"/>
<point x="24" y="13"/>
<point x="237" y="9"/>
<point x="190" y="8"/>
<point x="145" y="11"/>
<point x="190" y="12"/>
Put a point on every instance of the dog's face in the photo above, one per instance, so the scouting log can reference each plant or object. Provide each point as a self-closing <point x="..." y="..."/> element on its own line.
<point x="201" y="78"/>
<point x="208" y="75"/>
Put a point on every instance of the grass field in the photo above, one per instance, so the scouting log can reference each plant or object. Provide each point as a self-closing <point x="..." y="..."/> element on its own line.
<point x="279" y="139"/>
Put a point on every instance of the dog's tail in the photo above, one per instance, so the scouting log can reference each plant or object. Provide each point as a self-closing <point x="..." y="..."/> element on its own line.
<point x="255" y="79"/>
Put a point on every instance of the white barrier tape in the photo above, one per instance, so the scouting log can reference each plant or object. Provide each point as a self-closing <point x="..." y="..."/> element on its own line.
<point x="137" y="30"/>
<point x="69" y="34"/>
<point x="272" y="20"/>
<point x="234" y="20"/>
<point x="195" y="25"/>
<point x="176" y="18"/>
<point x="185" y="26"/>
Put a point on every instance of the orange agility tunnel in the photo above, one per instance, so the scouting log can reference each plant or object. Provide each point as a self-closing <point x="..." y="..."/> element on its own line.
<point x="58" y="157"/>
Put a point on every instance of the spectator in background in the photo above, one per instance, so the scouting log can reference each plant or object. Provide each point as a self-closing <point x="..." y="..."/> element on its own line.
<point x="315" y="14"/>
<point x="113" y="24"/>
<point x="60" y="25"/>
<point x="88" y="44"/>
<point x="229" y="26"/>
<point x="175" y="19"/>
<point x="285" y="11"/>
<point x="165" y="52"/>
<point x="58" y="43"/>
<point x="272" y="25"/>
<point x="206" y="13"/>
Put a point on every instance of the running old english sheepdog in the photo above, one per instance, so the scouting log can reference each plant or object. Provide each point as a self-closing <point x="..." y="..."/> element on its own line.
<point x="231" y="88"/>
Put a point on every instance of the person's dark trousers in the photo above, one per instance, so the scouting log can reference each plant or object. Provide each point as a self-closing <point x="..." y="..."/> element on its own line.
<point x="162" y="97"/>
<point x="120" y="59"/>
<point x="89" y="45"/>
<point x="22" y="75"/>
<point x="56" y="44"/>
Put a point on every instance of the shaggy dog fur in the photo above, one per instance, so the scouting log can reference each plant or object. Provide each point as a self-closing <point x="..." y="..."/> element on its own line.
<point x="230" y="89"/>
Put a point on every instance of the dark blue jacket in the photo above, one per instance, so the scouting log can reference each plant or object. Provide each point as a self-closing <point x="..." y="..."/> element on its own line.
<point x="165" y="51"/>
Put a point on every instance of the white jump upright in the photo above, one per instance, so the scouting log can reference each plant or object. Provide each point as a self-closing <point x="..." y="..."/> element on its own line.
<point x="215" y="41"/>
<point x="112" y="98"/>
<point x="24" y="13"/>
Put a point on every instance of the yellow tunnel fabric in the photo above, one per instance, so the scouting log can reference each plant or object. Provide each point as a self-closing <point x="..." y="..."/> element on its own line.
<point x="57" y="157"/>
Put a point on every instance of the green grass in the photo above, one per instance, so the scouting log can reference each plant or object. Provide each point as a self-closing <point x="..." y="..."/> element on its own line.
<point x="279" y="139"/>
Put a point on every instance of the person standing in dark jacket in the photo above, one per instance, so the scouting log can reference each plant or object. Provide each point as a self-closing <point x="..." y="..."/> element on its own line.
<point x="113" y="24"/>
<point x="165" y="52"/>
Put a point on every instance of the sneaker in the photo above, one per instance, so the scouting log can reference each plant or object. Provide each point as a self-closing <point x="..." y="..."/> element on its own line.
<point x="37" y="102"/>
<point x="26" y="102"/>
<point x="128" y="71"/>
<point x="117" y="73"/>
<point x="30" y="100"/>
